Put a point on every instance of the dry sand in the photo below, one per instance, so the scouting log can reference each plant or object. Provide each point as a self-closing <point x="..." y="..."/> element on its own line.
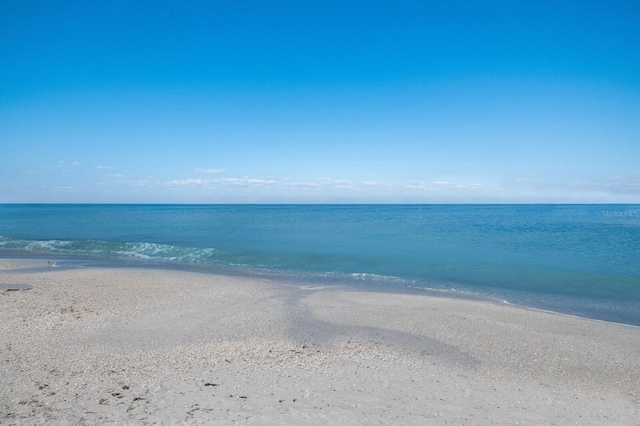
<point x="145" y="346"/>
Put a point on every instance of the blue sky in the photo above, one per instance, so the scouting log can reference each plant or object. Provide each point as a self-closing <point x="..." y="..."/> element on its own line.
<point x="320" y="102"/>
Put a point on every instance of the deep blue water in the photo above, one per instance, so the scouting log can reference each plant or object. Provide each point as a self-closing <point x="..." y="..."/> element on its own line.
<point x="576" y="259"/>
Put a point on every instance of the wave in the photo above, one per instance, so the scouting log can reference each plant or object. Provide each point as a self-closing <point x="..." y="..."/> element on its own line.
<point x="167" y="253"/>
<point x="110" y="249"/>
<point x="363" y="276"/>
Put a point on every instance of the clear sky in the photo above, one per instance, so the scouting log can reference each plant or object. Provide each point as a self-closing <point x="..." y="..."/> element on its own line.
<point x="320" y="101"/>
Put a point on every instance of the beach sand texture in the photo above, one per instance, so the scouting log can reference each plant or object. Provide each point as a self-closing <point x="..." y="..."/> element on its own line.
<point x="149" y="346"/>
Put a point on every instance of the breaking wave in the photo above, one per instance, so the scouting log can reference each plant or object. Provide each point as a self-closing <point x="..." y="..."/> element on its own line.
<point x="109" y="249"/>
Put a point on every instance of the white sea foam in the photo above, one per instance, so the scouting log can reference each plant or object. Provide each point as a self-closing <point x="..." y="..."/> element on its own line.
<point x="377" y="277"/>
<point x="141" y="250"/>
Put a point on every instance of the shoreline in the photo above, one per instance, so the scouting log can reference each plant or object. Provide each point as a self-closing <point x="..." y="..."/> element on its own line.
<point x="144" y="346"/>
<point x="555" y="304"/>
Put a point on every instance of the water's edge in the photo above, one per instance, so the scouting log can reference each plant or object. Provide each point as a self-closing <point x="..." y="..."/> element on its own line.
<point x="585" y="309"/>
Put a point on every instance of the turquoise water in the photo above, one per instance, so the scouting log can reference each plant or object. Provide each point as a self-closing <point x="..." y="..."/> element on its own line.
<point x="577" y="259"/>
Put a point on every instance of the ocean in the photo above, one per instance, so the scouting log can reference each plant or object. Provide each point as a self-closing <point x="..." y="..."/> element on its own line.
<point x="579" y="260"/>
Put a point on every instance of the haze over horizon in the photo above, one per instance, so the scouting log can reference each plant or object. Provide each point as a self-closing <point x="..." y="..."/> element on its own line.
<point x="327" y="102"/>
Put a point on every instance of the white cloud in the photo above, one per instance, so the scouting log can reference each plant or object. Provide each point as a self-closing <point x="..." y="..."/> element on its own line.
<point x="616" y="185"/>
<point x="246" y="181"/>
<point x="338" y="183"/>
<point x="182" y="182"/>
<point x="444" y="183"/>
<point x="300" y="184"/>
<point x="141" y="183"/>
<point x="456" y="185"/>
<point x="423" y="186"/>
<point x="209" y="171"/>
<point x="63" y="165"/>
<point x="370" y="183"/>
<point x="618" y="189"/>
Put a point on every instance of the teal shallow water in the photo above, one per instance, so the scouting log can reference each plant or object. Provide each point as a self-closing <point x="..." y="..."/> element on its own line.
<point x="578" y="259"/>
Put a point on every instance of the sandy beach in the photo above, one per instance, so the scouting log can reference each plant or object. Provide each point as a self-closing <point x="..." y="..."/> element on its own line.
<point x="148" y="346"/>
